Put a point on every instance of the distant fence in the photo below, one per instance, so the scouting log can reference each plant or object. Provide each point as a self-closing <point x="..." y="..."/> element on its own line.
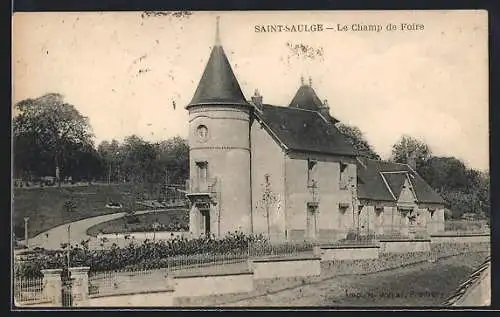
<point x="466" y="226"/>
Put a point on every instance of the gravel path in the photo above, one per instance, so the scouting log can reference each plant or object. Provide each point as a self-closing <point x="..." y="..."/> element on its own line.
<point x="52" y="239"/>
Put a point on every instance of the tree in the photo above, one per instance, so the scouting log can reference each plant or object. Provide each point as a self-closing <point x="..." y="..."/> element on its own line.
<point x="174" y="156"/>
<point x="444" y="173"/>
<point x="357" y="139"/>
<point x="51" y="130"/>
<point x="111" y="158"/>
<point x="269" y="198"/>
<point x="466" y="190"/>
<point x="409" y="147"/>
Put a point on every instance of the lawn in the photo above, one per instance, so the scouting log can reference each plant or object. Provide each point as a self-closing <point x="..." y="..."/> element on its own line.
<point x="168" y="220"/>
<point x="44" y="206"/>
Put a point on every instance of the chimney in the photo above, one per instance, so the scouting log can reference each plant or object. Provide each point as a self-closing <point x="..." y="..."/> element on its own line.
<point x="257" y="99"/>
<point x="325" y="110"/>
<point x="412" y="161"/>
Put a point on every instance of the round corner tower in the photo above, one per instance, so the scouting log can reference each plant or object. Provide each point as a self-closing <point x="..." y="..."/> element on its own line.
<point x="219" y="185"/>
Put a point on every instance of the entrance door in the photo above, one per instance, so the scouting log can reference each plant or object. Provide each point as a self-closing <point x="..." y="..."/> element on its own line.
<point x="205" y="221"/>
<point x="312" y="224"/>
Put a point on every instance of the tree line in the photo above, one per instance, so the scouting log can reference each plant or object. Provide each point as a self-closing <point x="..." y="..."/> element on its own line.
<point x="465" y="189"/>
<point x="51" y="138"/>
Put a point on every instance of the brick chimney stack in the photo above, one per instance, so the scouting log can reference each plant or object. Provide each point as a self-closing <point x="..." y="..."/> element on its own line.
<point x="325" y="109"/>
<point x="257" y="99"/>
<point x="412" y="161"/>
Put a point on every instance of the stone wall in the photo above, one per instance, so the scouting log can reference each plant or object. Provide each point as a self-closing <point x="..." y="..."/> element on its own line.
<point x="333" y="253"/>
<point x="461" y="239"/>
<point x="268" y="275"/>
<point x="137" y="299"/>
<point x="404" y="246"/>
<point x="204" y="285"/>
<point x="287" y="267"/>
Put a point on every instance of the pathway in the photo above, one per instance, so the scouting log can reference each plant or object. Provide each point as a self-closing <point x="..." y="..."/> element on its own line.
<point x="53" y="238"/>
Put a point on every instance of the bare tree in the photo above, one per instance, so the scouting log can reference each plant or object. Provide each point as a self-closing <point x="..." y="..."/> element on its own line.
<point x="269" y="198"/>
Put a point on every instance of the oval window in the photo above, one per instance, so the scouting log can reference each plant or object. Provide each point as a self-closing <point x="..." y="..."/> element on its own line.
<point x="202" y="132"/>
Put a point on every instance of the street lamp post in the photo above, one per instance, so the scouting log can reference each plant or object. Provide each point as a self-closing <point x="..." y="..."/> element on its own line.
<point x="155" y="227"/>
<point x="110" y="166"/>
<point x="69" y="246"/>
<point x="109" y="174"/>
<point x="26" y="231"/>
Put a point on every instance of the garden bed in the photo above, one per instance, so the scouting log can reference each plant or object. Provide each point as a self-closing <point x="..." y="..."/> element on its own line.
<point x="174" y="220"/>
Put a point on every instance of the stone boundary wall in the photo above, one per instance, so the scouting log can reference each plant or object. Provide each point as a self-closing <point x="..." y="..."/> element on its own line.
<point x="470" y="238"/>
<point x="262" y="276"/>
<point x="286" y="267"/>
<point x="404" y="246"/>
<point x="160" y="298"/>
<point x="205" y="285"/>
<point x="355" y="252"/>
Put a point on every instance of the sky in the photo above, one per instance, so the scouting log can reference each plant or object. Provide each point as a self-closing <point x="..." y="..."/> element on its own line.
<point x="124" y="70"/>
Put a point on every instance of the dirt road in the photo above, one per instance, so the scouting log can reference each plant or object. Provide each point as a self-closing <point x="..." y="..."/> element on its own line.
<point x="424" y="284"/>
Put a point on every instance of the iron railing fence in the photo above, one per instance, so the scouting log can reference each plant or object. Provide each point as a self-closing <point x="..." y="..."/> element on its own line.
<point x="29" y="290"/>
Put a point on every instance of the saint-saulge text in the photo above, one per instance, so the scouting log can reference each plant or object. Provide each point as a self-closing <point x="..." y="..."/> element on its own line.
<point x="340" y="27"/>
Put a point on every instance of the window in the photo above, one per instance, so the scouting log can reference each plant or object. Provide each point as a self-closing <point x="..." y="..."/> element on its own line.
<point x="431" y="211"/>
<point x="311" y="173"/>
<point x="202" y="132"/>
<point x="343" y="207"/>
<point x="343" y="182"/>
<point x="202" y="170"/>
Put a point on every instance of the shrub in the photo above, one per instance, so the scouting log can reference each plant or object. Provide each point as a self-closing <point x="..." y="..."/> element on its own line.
<point x="131" y="219"/>
<point x="148" y="255"/>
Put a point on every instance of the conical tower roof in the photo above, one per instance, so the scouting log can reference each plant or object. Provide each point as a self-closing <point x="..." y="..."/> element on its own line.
<point x="306" y="98"/>
<point x="218" y="84"/>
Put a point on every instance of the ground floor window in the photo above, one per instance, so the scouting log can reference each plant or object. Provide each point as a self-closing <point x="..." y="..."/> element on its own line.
<point x="312" y="221"/>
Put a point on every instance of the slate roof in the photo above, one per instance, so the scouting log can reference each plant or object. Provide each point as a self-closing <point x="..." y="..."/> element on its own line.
<point x="304" y="130"/>
<point x="373" y="187"/>
<point x="395" y="181"/>
<point x="218" y="84"/>
<point x="306" y="98"/>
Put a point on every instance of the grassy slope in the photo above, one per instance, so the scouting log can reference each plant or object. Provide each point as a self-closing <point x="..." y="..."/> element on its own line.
<point x="424" y="284"/>
<point x="44" y="206"/>
<point x="421" y="285"/>
<point x="121" y="225"/>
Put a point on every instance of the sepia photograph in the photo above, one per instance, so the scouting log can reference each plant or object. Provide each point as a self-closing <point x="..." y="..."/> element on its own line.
<point x="332" y="159"/>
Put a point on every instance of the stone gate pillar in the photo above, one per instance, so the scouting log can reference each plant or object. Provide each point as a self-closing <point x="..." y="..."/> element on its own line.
<point x="52" y="286"/>
<point x="80" y="287"/>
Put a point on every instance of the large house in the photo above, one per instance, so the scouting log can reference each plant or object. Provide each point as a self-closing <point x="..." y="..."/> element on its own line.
<point x="287" y="171"/>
